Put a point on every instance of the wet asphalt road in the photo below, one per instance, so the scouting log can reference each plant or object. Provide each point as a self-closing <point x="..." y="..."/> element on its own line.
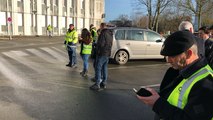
<point x="36" y="85"/>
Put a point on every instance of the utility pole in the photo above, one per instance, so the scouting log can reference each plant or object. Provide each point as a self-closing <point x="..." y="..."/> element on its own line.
<point x="9" y="22"/>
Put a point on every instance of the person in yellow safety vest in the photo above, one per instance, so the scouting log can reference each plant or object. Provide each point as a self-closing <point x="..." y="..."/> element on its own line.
<point x="71" y="40"/>
<point x="94" y="39"/>
<point x="93" y="33"/>
<point x="49" y="29"/>
<point x="186" y="91"/>
<point x="86" y="49"/>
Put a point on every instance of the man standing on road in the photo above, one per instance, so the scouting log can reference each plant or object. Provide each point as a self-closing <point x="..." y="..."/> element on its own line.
<point x="94" y="39"/>
<point x="186" y="25"/>
<point x="103" y="51"/>
<point x="93" y="33"/>
<point x="49" y="30"/>
<point x="71" y="40"/>
<point x="189" y="95"/>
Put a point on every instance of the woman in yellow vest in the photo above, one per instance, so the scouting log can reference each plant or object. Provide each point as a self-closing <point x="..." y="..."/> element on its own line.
<point x="86" y="49"/>
<point x="186" y="92"/>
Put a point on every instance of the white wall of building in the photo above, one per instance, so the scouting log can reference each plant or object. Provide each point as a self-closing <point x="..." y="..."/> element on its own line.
<point x="23" y="19"/>
<point x="2" y="21"/>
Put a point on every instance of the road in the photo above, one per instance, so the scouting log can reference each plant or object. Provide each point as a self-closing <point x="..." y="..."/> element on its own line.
<point x="35" y="84"/>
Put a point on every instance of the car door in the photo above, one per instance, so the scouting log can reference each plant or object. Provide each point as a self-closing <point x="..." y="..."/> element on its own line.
<point x="154" y="44"/>
<point x="136" y="44"/>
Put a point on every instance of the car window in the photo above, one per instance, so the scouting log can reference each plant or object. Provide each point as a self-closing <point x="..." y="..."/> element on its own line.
<point x="151" y="36"/>
<point x="120" y="35"/>
<point x="134" y="35"/>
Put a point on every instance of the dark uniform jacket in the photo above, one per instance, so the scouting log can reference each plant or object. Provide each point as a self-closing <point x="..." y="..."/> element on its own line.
<point x="209" y="51"/>
<point x="104" y="43"/>
<point x="200" y="46"/>
<point x="199" y="105"/>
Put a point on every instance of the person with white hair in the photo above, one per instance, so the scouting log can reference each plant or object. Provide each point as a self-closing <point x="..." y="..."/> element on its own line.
<point x="187" y="26"/>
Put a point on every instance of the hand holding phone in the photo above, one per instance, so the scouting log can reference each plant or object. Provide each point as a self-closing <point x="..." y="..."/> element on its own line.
<point x="143" y="92"/>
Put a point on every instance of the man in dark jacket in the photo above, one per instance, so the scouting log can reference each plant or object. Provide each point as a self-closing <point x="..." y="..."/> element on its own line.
<point x="189" y="94"/>
<point x="103" y="51"/>
<point x="187" y="26"/>
<point x="204" y="34"/>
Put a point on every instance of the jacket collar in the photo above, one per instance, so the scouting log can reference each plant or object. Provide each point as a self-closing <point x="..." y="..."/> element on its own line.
<point x="192" y="68"/>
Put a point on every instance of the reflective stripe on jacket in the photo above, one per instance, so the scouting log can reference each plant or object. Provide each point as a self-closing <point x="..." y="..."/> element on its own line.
<point x="179" y="96"/>
<point x="87" y="49"/>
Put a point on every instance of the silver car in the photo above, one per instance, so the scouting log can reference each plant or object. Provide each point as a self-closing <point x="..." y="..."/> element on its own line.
<point x="135" y="43"/>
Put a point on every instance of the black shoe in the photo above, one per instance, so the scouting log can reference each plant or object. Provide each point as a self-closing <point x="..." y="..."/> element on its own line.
<point x="74" y="66"/>
<point x="95" y="87"/>
<point x="93" y="79"/>
<point x="84" y="73"/>
<point x="102" y="85"/>
<point x="81" y="73"/>
<point x="68" y="65"/>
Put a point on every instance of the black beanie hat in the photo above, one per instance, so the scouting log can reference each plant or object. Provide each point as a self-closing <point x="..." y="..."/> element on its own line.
<point x="177" y="43"/>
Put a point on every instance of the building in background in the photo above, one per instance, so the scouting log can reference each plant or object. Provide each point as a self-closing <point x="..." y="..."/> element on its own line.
<point x="31" y="17"/>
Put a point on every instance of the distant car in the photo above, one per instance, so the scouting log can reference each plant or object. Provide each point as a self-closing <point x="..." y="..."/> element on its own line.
<point x="135" y="43"/>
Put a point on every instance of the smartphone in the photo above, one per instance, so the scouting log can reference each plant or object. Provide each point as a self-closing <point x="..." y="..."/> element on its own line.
<point x="142" y="92"/>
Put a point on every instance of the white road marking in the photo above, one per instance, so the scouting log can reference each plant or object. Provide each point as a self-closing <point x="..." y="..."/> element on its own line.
<point x="61" y="51"/>
<point x="129" y="67"/>
<point x="24" y="61"/>
<point x="55" y="54"/>
<point x="20" y="53"/>
<point x="42" y="55"/>
<point x="9" y="72"/>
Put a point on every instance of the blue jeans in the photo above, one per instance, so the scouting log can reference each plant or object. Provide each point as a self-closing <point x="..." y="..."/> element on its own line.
<point x="72" y="55"/>
<point x="85" y="58"/>
<point x="101" y="69"/>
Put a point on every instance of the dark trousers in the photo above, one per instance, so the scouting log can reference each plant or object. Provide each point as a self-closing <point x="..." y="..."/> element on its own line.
<point x="72" y="55"/>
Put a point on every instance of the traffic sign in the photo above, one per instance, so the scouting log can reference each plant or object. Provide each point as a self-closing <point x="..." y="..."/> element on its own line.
<point x="9" y="19"/>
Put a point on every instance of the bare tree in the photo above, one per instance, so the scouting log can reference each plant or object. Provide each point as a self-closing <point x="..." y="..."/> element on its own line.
<point x="197" y="7"/>
<point x="154" y="9"/>
<point x="140" y="21"/>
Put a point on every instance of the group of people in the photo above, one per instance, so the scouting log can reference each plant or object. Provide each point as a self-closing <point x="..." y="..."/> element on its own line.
<point x="186" y="91"/>
<point x="98" y="43"/>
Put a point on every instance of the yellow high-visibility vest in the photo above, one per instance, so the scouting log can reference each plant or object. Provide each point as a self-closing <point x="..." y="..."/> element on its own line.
<point x="71" y="36"/>
<point x="87" y="49"/>
<point x="179" y="96"/>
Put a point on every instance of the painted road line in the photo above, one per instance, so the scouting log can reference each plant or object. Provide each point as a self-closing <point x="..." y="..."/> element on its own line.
<point x="24" y="61"/>
<point x="9" y="72"/>
<point x="138" y="66"/>
<point x="55" y="54"/>
<point x="43" y="56"/>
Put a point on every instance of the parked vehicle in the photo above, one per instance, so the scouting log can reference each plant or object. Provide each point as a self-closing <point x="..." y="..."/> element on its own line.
<point x="135" y="43"/>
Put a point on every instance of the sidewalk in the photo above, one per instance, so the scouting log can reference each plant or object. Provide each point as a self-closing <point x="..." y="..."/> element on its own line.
<point x="17" y="37"/>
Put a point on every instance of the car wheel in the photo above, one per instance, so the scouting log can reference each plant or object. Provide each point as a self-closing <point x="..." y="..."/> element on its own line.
<point x="121" y="57"/>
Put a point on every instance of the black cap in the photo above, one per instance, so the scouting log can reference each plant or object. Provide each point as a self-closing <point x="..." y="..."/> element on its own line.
<point x="177" y="43"/>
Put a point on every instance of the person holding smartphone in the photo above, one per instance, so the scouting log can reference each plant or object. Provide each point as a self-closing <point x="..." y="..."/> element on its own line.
<point x="86" y="49"/>
<point x="188" y="93"/>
